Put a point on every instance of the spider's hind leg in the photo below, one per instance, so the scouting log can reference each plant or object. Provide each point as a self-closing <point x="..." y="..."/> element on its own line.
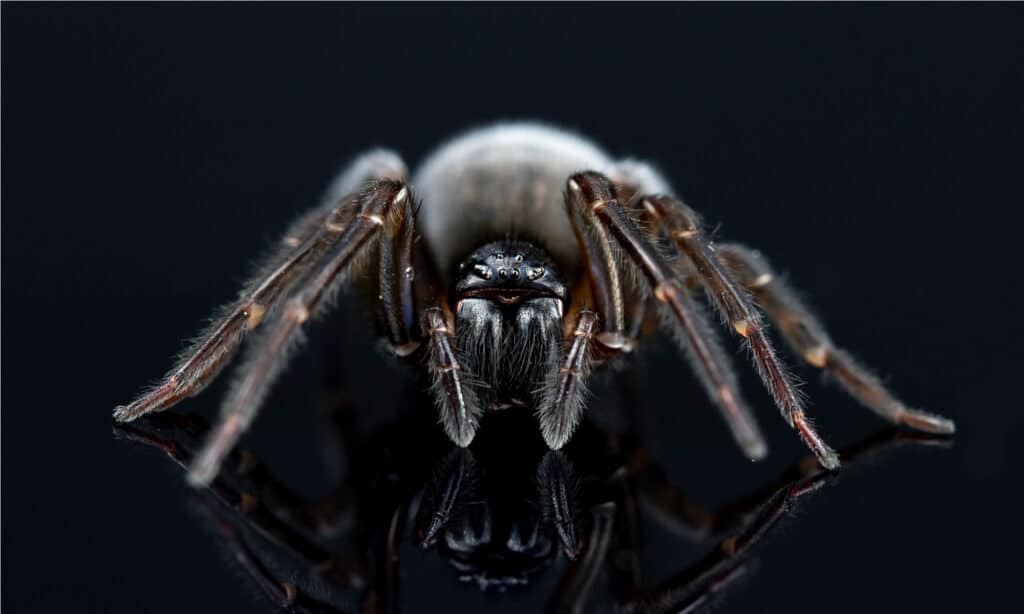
<point x="807" y="336"/>
<point x="593" y="193"/>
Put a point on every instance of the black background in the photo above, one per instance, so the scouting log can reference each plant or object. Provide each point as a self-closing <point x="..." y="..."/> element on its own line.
<point x="874" y="152"/>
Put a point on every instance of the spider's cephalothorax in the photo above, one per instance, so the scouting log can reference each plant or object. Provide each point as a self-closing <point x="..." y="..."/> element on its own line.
<point x="565" y="230"/>
<point x="509" y="300"/>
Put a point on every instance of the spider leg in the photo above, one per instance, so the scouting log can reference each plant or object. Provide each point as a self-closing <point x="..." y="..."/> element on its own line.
<point x="807" y="336"/>
<point x="380" y="205"/>
<point x="732" y="301"/>
<point x="698" y="339"/>
<point x="299" y="250"/>
<point x="561" y="400"/>
<point x="593" y="191"/>
<point x="396" y="283"/>
<point x="603" y="275"/>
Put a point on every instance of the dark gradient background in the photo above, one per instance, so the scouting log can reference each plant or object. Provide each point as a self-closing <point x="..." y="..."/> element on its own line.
<point x="874" y="152"/>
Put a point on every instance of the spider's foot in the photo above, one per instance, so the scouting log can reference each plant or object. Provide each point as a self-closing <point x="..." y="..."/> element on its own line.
<point x="829" y="460"/>
<point x="755" y="450"/>
<point x="930" y="423"/>
<point x="203" y="471"/>
<point x="127" y="413"/>
<point x="826" y="455"/>
<point x="156" y="399"/>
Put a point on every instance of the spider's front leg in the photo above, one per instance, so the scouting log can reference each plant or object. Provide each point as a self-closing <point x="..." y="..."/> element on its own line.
<point x="385" y="204"/>
<point x="302" y="246"/>
<point x="593" y="193"/>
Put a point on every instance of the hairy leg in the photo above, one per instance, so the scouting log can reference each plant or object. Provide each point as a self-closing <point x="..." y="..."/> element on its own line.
<point x="381" y="204"/>
<point x="808" y="338"/>
<point x="303" y="244"/>
<point x="695" y="336"/>
<point x="593" y="192"/>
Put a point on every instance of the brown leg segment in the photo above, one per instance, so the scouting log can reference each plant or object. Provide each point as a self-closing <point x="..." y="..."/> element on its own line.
<point x="215" y="347"/>
<point x="396" y="282"/>
<point x="683" y="226"/>
<point x="305" y="241"/>
<point x="696" y="336"/>
<point x="807" y="336"/>
<point x="379" y="205"/>
<point x="697" y="339"/>
<point x="603" y="275"/>
<point x="592" y="190"/>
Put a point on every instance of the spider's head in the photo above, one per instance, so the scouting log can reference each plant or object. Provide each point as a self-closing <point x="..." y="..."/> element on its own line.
<point x="509" y="272"/>
<point x="509" y="302"/>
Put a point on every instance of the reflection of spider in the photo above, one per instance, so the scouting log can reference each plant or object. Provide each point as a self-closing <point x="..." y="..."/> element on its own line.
<point x="507" y="269"/>
<point x="499" y="515"/>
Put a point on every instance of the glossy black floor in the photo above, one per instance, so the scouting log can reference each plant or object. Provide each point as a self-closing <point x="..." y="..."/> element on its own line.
<point x="873" y="152"/>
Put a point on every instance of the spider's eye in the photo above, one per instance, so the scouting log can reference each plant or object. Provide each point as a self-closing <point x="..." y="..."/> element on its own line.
<point x="482" y="271"/>
<point x="502" y="274"/>
<point x="514" y="273"/>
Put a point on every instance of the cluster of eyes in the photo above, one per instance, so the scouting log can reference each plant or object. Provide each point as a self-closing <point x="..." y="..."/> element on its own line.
<point x="484" y="271"/>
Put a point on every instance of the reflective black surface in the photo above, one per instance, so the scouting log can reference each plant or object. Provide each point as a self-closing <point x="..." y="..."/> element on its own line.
<point x="149" y="153"/>
<point x="507" y="515"/>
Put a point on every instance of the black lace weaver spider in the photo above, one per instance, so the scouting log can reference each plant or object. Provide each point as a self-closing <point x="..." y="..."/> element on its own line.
<point x="532" y="258"/>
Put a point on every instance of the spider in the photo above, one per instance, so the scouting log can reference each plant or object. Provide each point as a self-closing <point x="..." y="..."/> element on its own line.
<point x="533" y="258"/>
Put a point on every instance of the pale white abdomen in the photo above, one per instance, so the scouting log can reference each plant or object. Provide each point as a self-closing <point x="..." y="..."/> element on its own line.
<point x="503" y="181"/>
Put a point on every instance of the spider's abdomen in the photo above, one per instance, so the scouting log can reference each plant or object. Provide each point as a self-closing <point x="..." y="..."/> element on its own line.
<point x="505" y="181"/>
